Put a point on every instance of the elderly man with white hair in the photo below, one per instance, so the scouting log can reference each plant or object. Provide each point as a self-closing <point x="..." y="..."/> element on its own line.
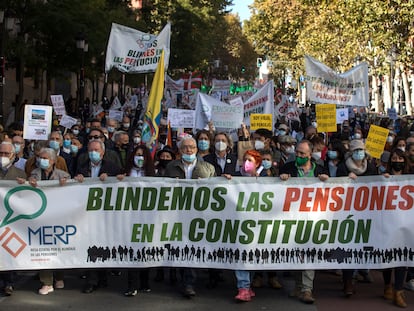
<point x="189" y="167"/>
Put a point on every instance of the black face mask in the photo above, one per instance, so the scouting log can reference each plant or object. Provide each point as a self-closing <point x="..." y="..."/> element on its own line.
<point x="163" y="163"/>
<point x="397" y="166"/>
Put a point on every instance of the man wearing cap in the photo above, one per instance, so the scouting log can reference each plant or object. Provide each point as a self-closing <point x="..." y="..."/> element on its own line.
<point x="283" y="129"/>
<point x="357" y="163"/>
<point x="287" y="149"/>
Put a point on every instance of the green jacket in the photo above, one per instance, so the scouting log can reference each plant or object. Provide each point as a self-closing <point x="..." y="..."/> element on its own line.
<point x="202" y="169"/>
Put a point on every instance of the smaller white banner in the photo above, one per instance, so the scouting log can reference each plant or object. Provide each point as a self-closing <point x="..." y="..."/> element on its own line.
<point x="67" y="121"/>
<point x="58" y="104"/>
<point x="181" y="118"/>
<point x="37" y="122"/>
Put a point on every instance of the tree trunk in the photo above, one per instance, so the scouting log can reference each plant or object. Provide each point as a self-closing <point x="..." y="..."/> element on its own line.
<point x="407" y="95"/>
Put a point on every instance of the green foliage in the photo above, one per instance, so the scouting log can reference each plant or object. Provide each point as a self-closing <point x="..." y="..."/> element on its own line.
<point x="336" y="32"/>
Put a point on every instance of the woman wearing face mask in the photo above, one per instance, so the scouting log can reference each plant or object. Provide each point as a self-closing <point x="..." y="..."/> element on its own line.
<point x="139" y="164"/>
<point x="164" y="157"/>
<point x="397" y="165"/>
<point x="252" y="167"/>
<point x="223" y="160"/>
<point x="203" y="138"/>
<point x="224" y="163"/>
<point x="334" y="156"/>
<point x="136" y="138"/>
<point x="356" y="164"/>
<point x="48" y="171"/>
<point x="399" y="142"/>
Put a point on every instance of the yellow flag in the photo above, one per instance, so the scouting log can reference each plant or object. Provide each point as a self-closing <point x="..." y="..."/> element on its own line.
<point x="152" y="115"/>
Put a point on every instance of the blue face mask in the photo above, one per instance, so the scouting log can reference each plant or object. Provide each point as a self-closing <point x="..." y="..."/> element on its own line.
<point x="67" y="143"/>
<point x="44" y="163"/>
<point x="358" y="155"/>
<point x="74" y="149"/>
<point x="332" y="154"/>
<point x="266" y="164"/>
<point x="382" y="169"/>
<point x="17" y="148"/>
<point x="54" y="144"/>
<point x="188" y="157"/>
<point x="94" y="156"/>
<point x="282" y="132"/>
<point x="203" y="145"/>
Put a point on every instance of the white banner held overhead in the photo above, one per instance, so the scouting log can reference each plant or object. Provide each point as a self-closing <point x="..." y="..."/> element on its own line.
<point x="37" y="122"/>
<point x="261" y="102"/>
<point x="132" y="51"/>
<point x="148" y="222"/>
<point x="325" y="86"/>
<point x="181" y="118"/>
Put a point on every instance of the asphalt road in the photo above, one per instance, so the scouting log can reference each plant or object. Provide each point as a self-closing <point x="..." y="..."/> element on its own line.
<point x="165" y="296"/>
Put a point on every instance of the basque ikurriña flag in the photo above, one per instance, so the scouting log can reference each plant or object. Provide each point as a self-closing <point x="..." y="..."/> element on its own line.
<point x="152" y="115"/>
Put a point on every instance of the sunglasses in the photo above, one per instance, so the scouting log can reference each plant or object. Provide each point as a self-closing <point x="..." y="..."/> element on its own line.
<point x="95" y="136"/>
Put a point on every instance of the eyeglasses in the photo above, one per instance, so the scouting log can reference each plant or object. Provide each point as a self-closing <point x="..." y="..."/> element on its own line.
<point x="188" y="147"/>
<point x="95" y="136"/>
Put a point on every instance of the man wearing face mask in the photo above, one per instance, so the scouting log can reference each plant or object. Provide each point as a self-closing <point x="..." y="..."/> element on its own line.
<point x="96" y="166"/>
<point x="287" y="149"/>
<point x="222" y="159"/>
<point x="8" y="172"/>
<point x="303" y="166"/>
<point x="189" y="167"/>
<point x="111" y="125"/>
<point x="122" y="146"/>
<point x="18" y="143"/>
<point x="126" y="124"/>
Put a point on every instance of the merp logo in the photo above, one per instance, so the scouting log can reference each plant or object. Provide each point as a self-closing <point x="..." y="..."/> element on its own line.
<point x="18" y="200"/>
<point x="13" y="243"/>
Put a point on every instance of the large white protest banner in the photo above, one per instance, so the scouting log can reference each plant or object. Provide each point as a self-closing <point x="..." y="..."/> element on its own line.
<point x="132" y="51"/>
<point x="261" y="102"/>
<point x="243" y="223"/>
<point x="324" y="85"/>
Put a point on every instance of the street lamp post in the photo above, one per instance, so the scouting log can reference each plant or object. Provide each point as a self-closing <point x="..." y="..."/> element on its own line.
<point x="82" y="45"/>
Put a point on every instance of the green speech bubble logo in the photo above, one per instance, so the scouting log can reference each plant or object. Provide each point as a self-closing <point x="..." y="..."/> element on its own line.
<point x="9" y="219"/>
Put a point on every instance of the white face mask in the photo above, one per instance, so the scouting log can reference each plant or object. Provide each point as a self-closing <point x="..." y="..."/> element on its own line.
<point x="4" y="162"/>
<point x="358" y="136"/>
<point x="220" y="146"/>
<point x="137" y="140"/>
<point x="290" y="149"/>
<point x="259" y="145"/>
<point x="317" y="155"/>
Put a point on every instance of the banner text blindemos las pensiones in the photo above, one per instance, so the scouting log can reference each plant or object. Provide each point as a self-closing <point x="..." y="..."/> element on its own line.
<point x="243" y="223"/>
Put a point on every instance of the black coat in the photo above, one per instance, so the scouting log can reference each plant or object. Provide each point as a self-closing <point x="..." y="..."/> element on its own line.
<point x="108" y="167"/>
<point x="230" y="166"/>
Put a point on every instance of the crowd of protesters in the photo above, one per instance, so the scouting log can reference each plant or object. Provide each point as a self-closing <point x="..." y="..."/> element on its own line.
<point x="102" y="147"/>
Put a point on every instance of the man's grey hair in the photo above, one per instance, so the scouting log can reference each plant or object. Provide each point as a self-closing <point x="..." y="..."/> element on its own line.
<point x="99" y="142"/>
<point x="186" y="138"/>
<point x="12" y="146"/>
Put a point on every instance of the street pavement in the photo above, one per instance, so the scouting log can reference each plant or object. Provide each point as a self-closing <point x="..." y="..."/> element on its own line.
<point x="165" y="296"/>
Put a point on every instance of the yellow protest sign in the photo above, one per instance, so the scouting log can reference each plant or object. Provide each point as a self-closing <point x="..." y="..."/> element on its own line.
<point x="377" y="136"/>
<point x="326" y="117"/>
<point x="261" y="121"/>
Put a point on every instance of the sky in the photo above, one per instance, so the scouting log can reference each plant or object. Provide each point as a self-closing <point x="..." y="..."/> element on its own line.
<point x="241" y="7"/>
